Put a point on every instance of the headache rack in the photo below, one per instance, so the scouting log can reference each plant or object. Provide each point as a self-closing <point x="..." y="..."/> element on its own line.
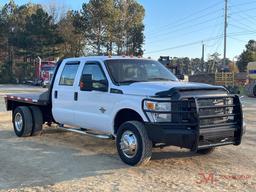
<point x="215" y="120"/>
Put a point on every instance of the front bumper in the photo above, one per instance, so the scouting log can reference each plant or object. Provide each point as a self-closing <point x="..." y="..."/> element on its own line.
<point x="193" y="134"/>
<point x="167" y="134"/>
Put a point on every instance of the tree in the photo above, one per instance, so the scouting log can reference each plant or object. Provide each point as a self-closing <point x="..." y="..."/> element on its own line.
<point x="8" y="19"/>
<point x="129" y="29"/>
<point x="40" y="37"/>
<point x="56" y="10"/>
<point x="13" y="21"/>
<point x="248" y="55"/>
<point x="113" y="26"/>
<point x="213" y="63"/>
<point x="100" y="27"/>
<point x="96" y="18"/>
<point x="73" y="39"/>
<point x="196" y="64"/>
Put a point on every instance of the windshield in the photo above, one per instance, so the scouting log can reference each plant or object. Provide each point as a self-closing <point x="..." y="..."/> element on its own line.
<point x="50" y="69"/>
<point x="125" y="71"/>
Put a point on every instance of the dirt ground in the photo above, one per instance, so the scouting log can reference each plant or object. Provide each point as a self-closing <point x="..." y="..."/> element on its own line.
<point x="63" y="161"/>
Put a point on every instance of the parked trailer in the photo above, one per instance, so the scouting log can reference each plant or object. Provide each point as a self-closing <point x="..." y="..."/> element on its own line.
<point x="137" y="102"/>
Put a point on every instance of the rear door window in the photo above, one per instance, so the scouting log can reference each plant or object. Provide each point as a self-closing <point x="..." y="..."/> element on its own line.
<point x="68" y="74"/>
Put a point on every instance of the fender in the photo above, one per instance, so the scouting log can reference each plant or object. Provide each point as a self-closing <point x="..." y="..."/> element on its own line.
<point x="131" y="102"/>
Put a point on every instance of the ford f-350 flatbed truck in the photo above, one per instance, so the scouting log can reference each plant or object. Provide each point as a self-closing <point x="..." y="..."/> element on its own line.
<point x="138" y="102"/>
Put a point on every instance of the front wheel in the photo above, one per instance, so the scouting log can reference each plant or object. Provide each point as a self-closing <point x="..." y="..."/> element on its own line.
<point x="132" y="142"/>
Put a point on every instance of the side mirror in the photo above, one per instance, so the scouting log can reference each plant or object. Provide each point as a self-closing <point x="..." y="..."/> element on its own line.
<point x="86" y="82"/>
<point x="103" y="86"/>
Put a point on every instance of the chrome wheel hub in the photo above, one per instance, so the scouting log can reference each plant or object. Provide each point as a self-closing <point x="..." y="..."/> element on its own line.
<point x="18" y="121"/>
<point x="129" y="144"/>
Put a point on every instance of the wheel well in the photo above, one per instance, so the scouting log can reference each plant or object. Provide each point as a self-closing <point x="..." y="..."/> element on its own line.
<point x="46" y="110"/>
<point x="125" y="115"/>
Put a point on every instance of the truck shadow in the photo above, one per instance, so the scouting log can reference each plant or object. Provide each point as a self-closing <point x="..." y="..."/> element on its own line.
<point x="37" y="161"/>
<point x="172" y="154"/>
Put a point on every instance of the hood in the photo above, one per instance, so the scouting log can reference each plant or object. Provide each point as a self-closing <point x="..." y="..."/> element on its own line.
<point x="151" y="88"/>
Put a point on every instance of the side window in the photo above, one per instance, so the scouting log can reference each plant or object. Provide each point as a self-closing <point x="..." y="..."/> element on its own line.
<point x="68" y="74"/>
<point x="98" y="76"/>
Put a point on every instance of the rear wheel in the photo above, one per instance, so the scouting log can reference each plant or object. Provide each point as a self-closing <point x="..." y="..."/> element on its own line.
<point x="205" y="151"/>
<point x="133" y="145"/>
<point x="37" y="120"/>
<point x="22" y="121"/>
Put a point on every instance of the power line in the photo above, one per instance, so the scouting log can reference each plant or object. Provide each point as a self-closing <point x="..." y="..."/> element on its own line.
<point x="242" y="24"/>
<point x="190" y="16"/>
<point x="219" y="44"/>
<point x="219" y="38"/>
<point x="184" y="45"/>
<point x="216" y="29"/>
<point x="220" y="33"/>
<point x="243" y="14"/>
<point x="215" y="43"/>
<point x="189" y="26"/>
<point x="191" y="19"/>
<point x="241" y="33"/>
<point x="246" y="10"/>
<point x="238" y="39"/>
<point x="242" y="4"/>
<point x="249" y="17"/>
<point x="240" y="27"/>
<point x="182" y="34"/>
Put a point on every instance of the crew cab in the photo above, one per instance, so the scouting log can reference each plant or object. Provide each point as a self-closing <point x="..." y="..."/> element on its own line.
<point x="136" y="101"/>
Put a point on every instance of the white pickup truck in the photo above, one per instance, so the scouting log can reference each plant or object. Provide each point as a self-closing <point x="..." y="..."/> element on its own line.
<point x="138" y="102"/>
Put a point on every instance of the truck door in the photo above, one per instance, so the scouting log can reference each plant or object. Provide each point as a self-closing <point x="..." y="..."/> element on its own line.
<point x="93" y="108"/>
<point x="63" y="93"/>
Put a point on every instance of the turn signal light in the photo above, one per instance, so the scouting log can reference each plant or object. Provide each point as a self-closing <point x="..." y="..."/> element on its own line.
<point x="150" y="106"/>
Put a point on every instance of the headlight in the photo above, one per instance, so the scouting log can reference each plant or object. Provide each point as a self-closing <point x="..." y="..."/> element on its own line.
<point x="156" y="111"/>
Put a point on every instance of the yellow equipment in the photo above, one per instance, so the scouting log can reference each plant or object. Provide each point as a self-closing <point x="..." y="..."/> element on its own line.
<point x="225" y="78"/>
<point x="251" y="86"/>
<point x="251" y="68"/>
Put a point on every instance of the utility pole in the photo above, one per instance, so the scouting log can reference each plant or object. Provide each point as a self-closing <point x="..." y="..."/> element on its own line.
<point x="202" y="52"/>
<point x="202" y="59"/>
<point x="225" y="31"/>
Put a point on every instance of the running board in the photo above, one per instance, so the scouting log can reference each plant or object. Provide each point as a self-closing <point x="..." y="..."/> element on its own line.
<point x="86" y="132"/>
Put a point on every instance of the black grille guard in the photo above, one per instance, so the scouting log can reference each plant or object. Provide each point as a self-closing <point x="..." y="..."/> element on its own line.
<point x="187" y="114"/>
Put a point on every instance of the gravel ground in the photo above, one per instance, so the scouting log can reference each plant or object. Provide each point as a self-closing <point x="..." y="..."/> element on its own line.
<point x="63" y="161"/>
<point x="2" y="104"/>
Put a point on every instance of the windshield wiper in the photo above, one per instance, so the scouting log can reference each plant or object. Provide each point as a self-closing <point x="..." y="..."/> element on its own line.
<point x="160" y="79"/>
<point x="129" y="81"/>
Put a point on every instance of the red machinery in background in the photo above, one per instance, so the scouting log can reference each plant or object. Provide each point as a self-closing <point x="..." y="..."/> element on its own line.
<point x="43" y="72"/>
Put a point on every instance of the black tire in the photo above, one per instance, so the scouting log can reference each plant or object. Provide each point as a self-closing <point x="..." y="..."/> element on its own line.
<point x="143" y="151"/>
<point x="205" y="151"/>
<point x="37" y="120"/>
<point x="24" y="128"/>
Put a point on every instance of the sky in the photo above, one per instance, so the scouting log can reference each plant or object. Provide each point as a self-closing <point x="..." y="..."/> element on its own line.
<point x="178" y="28"/>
